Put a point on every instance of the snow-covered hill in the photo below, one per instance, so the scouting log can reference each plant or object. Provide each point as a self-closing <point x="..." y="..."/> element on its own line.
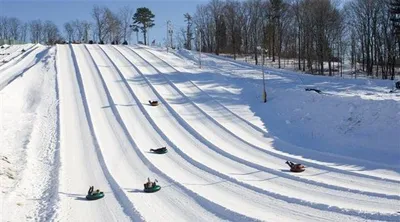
<point x="73" y="116"/>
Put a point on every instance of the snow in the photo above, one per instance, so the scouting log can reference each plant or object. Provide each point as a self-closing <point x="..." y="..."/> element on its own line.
<point x="29" y="144"/>
<point x="72" y="116"/>
<point x="12" y="52"/>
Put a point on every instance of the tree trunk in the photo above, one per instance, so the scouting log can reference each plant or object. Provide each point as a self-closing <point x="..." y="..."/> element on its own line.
<point x="303" y="53"/>
<point x="299" y="38"/>
<point x="273" y="43"/>
<point x="362" y="52"/>
<point x="234" y="48"/>
<point x="144" y="37"/>
<point x="393" y="63"/>
<point x="279" y="49"/>
<point x="369" y="63"/>
<point x="255" y="55"/>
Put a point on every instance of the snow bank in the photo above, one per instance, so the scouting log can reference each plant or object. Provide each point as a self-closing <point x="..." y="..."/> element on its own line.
<point x="355" y="119"/>
<point x="29" y="149"/>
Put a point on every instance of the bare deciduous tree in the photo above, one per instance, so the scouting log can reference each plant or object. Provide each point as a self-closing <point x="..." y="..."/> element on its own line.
<point x="69" y="29"/>
<point x="36" y="30"/>
<point x="113" y="27"/>
<point x="86" y="29"/>
<point x="50" y="33"/>
<point x="4" y="33"/>
<point x="216" y="8"/>
<point x="189" y="32"/>
<point x="125" y="17"/>
<point x="14" y="25"/>
<point x="376" y="37"/>
<point x="204" y="24"/>
<point x="232" y="17"/>
<point x="100" y="21"/>
<point x="181" y="40"/>
<point x="24" y="32"/>
<point x="79" y="29"/>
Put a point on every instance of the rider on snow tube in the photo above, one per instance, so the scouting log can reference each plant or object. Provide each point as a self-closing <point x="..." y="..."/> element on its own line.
<point x="94" y="195"/>
<point x="295" y="167"/>
<point x="150" y="187"/>
<point x="160" y="150"/>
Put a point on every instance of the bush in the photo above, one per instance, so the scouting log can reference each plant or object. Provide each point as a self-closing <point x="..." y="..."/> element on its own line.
<point x="125" y="43"/>
<point x="101" y="42"/>
<point x="90" y="41"/>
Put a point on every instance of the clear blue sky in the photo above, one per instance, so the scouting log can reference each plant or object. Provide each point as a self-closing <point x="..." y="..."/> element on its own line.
<point x="61" y="11"/>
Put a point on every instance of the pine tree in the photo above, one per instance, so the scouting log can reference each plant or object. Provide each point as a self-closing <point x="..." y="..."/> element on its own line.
<point x="143" y="20"/>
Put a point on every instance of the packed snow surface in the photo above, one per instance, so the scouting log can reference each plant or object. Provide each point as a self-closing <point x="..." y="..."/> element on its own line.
<point x="74" y="116"/>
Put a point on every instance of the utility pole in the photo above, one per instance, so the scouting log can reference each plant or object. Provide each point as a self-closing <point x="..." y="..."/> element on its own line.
<point x="200" y="49"/>
<point x="167" y="41"/>
<point x="169" y="34"/>
<point x="199" y="36"/>
<point x="262" y="67"/>
<point x="264" y="92"/>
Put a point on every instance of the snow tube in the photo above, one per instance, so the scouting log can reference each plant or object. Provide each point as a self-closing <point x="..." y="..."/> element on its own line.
<point x="311" y="89"/>
<point x="95" y="196"/>
<point x="297" y="168"/>
<point x="152" y="189"/>
<point x="153" y="103"/>
<point x="161" y="150"/>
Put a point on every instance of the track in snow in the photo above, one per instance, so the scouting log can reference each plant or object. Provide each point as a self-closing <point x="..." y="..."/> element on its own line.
<point x="388" y="204"/>
<point x="220" y="166"/>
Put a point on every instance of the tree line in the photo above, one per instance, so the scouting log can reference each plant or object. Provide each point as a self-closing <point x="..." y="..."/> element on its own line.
<point x="319" y="34"/>
<point x="36" y="30"/>
<point x="316" y="33"/>
<point x="107" y="27"/>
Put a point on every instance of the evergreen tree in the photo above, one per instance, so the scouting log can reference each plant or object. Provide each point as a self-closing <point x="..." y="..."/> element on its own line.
<point x="143" y="20"/>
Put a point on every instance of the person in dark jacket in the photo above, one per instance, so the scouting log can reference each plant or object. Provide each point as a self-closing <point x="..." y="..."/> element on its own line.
<point x="294" y="165"/>
<point x="149" y="184"/>
<point x="291" y="164"/>
<point x="90" y="190"/>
